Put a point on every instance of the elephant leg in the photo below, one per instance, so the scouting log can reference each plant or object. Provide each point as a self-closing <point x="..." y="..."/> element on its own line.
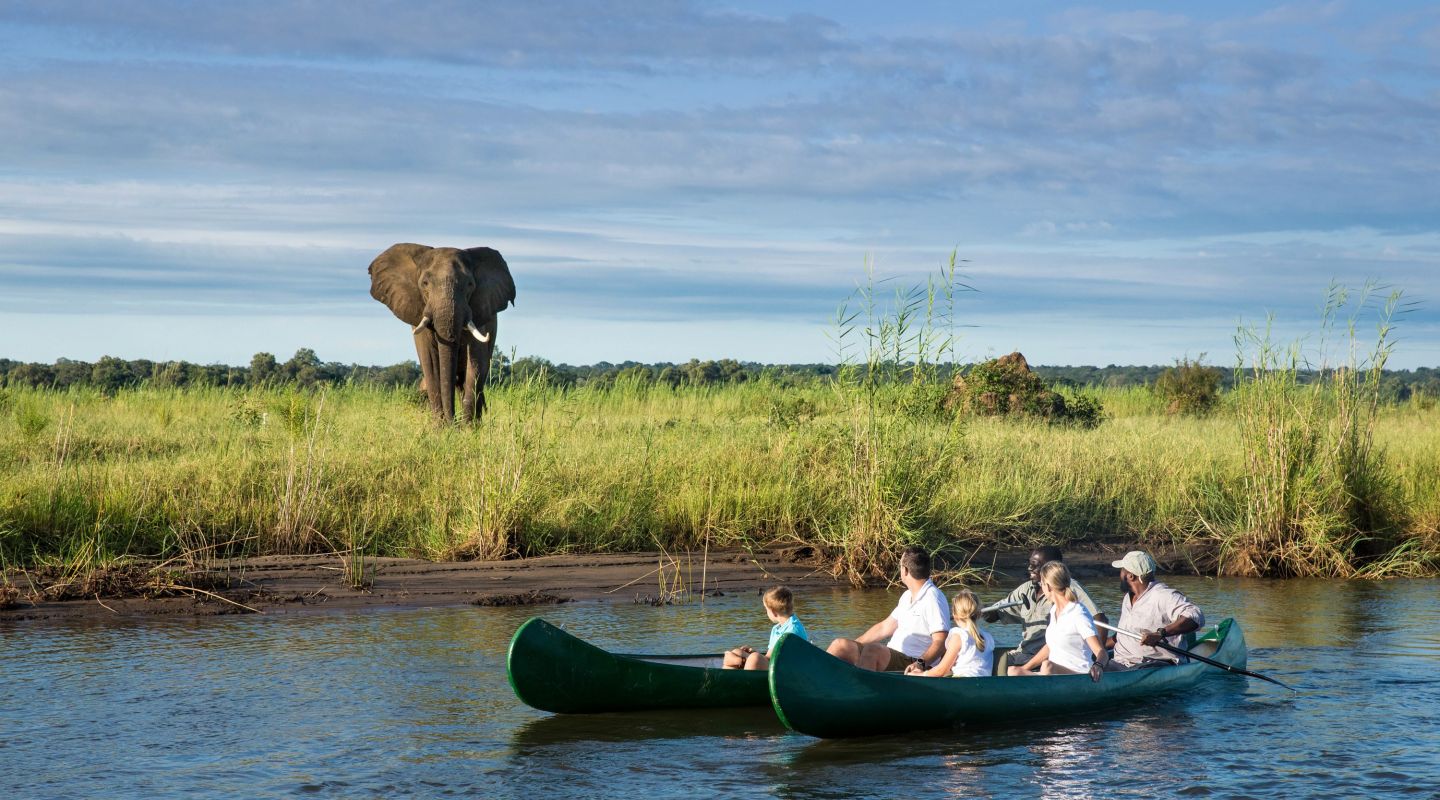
<point x="477" y="370"/>
<point x="429" y="369"/>
<point x="468" y="410"/>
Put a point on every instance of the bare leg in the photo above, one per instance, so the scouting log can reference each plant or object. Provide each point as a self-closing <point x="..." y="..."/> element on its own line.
<point x="735" y="659"/>
<point x="1051" y="668"/>
<point x="757" y="661"/>
<point x="847" y="650"/>
<point x="874" y="657"/>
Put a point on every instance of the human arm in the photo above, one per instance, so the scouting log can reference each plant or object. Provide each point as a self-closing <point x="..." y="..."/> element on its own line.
<point x="1107" y="640"/>
<point x="936" y="650"/>
<point x="1097" y="667"/>
<point x="1018" y="595"/>
<point x="953" y="646"/>
<point x="1178" y="627"/>
<point x="1083" y="597"/>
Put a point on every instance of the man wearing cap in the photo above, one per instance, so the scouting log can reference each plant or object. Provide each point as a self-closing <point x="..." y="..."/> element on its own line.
<point x="1033" y="611"/>
<point x="1153" y="610"/>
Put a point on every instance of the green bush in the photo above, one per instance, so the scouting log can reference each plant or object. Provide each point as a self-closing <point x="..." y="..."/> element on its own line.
<point x="788" y="411"/>
<point x="1007" y="387"/>
<point x="31" y="419"/>
<point x="1189" y="387"/>
<point x="1085" y="410"/>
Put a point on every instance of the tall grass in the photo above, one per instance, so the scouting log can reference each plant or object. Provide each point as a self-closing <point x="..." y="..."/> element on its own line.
<point x="1317" y="497"/>
<point x="631" y="468"/>
<point x="894" y="449"/>
<point x="1284" y="477"/>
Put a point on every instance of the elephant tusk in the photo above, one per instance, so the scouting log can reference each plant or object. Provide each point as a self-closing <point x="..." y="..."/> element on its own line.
<point x="483" y="337"/>
<point x="423" y="322"/>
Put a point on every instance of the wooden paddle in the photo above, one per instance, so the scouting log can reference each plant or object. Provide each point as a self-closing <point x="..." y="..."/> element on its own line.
<point x="1163" y="645"/>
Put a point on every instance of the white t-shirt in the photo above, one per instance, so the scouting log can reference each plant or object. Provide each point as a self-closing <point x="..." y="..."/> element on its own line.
<point x="916" y="619"/>
<point x="971" y="663"/>
<point x="1066" y="634"/>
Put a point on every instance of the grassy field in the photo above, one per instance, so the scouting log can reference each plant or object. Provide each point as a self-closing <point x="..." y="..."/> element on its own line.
<point x="87" y="478"/>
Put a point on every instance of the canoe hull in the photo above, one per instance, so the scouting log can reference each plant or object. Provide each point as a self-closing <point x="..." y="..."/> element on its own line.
<point x="817" y="694"/>
<point x="552" y="670"/>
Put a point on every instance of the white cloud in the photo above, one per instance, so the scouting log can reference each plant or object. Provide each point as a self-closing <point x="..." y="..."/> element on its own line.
<point x="686" y="164"/>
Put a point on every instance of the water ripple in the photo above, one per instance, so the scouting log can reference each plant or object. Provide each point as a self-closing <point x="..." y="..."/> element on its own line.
<point x="414" y="703"/>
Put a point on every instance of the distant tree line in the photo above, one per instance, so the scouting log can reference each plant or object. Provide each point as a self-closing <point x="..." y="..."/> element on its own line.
<point x="305" y="369"/>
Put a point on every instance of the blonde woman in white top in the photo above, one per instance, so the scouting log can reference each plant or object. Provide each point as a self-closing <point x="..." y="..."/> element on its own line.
<point x="969" y="651"/>
<point x="1071" y="644"/>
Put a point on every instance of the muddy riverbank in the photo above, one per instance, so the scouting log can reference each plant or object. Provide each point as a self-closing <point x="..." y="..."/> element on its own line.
<point x="302" y="584"/>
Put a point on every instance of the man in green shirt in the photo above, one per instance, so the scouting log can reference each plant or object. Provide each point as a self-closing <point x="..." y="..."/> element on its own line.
<point x="1033" y="611"/>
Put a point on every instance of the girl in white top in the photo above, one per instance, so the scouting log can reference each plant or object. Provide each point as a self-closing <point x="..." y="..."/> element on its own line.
<point x="969" y="651"/>
<point x="1071" y="644"/>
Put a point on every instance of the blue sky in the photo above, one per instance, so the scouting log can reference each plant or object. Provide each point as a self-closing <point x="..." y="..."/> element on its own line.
<point x="203" y="181"/>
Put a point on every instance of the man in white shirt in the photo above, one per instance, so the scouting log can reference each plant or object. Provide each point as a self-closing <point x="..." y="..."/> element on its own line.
<point x="1153" y="610"/>
<point x="916" y="628"/>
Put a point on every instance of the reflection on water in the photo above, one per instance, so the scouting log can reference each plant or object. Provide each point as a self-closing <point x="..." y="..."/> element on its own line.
<point x="415" y="703"/>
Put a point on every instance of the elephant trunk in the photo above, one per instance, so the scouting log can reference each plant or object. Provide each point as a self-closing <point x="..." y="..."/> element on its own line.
<point x="446" y="378"/>
<point x="450" y="319"/>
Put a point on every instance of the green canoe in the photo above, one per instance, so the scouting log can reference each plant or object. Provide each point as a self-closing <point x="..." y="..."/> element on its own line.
<point x="553" y="671"/>
<point x="817" y="694"/>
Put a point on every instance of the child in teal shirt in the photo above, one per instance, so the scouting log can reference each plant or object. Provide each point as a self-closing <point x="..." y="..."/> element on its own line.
<point x="780" y="608"/>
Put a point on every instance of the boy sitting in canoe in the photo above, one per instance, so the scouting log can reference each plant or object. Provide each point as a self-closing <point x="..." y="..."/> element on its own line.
<point x="969" y="651"/>
<point x="780" y="608"/>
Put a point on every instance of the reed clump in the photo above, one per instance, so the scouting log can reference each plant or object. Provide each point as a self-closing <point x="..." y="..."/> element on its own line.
<point x="1317" y="495"/>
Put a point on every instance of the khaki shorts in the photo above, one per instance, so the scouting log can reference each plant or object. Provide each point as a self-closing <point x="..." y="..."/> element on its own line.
<point x="898" y="661"/>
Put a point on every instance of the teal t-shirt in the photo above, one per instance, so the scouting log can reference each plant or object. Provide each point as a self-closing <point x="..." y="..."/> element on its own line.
<point x="791" y="625"/>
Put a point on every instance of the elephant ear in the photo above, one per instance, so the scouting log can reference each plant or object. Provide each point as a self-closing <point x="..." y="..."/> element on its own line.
<point x="494" y="288"/>
<point x="395" y="281"/>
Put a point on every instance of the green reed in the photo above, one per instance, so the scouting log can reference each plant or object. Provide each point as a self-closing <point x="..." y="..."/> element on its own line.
<point x="1317" y="496"/>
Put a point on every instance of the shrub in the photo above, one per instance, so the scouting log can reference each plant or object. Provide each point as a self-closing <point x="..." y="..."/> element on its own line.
<point x="790" y="412"/>
<point x="1189" y="387"/>
<point x="1006" y="386"/>
<point x="31" y="419"/>
<point x="1085" y="410"/>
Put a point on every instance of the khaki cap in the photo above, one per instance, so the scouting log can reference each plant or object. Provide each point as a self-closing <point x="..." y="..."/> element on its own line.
<point x="1137" y="563"/>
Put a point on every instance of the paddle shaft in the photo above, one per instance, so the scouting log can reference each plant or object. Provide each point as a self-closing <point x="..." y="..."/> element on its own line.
<point x="1164" y="645"/>
<point x="999" y="606"/>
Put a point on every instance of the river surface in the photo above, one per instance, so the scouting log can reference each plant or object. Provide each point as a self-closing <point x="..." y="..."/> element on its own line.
<point x="415" y="703"/>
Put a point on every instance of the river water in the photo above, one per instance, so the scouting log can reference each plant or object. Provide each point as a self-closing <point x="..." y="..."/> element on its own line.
<point x="415" y="703"/>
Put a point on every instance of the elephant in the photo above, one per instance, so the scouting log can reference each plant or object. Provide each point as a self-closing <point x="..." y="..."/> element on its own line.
<point x="450" y="298"/>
